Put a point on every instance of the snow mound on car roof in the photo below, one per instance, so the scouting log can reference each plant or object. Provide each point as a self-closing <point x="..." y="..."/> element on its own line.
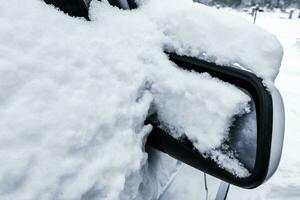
<point x="216" y="35"/>
<point x="74" y="96"/>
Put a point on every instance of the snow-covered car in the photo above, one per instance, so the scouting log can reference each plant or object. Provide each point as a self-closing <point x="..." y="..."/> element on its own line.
<point x="114" y="100"/>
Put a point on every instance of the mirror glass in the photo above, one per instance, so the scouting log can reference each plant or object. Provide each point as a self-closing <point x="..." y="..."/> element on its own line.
<point x="237" y="154"/>
<point x="243" y="138"/>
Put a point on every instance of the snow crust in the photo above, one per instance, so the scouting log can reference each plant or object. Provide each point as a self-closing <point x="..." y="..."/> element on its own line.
<point x="74" y="94"/>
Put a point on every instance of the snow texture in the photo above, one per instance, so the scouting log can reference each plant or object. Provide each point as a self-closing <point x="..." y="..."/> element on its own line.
<point x="206" y="94"/>
<point x="217" y="36"/>
<point x="74" y="94"/>
<point x="229" y="162"/>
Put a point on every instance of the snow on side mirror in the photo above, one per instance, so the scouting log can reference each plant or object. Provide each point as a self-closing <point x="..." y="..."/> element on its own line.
<point x="252" y="151"/>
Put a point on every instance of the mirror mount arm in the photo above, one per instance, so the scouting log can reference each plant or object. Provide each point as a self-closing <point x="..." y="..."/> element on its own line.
<point x="222" y="191"/>
<point x="205" y="186"/>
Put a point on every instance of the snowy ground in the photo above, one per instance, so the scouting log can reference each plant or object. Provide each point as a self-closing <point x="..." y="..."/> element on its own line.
<point x="285" y="184"/>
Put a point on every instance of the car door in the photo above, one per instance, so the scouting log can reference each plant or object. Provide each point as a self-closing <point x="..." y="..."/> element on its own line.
<point x="191" y="184"/>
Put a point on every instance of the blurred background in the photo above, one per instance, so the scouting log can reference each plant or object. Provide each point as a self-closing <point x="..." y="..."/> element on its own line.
<point x="269" y="4"/>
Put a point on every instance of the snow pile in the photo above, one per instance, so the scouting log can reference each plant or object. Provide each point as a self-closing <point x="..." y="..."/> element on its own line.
<point x="74" y="96"/>
<point x="216" y="35"/>
<point x="196" y="107"/>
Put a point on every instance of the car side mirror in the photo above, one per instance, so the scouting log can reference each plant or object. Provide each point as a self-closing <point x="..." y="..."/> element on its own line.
<point x="255" y="139"/>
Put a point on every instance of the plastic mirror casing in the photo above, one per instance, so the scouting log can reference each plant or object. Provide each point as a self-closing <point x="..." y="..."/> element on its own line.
<point x="184" y="151"/>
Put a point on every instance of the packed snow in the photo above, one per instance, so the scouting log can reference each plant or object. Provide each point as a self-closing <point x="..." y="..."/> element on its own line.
<point x="75" y="94"/>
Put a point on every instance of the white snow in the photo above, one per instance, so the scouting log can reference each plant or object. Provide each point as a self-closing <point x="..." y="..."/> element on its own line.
<point x="216" y="35"/>
<point x="229" y="162"/>
<point x="74" y="94"/>
<point x="186" y="107"/>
